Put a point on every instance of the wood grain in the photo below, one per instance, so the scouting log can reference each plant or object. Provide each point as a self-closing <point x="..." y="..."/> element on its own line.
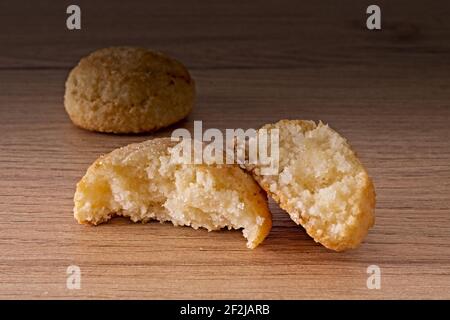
<point x="254" y="62"/>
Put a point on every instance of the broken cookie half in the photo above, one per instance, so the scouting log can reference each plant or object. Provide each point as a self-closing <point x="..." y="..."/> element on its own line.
<point x="143" y="182"/>
<point x="320" y="182"/>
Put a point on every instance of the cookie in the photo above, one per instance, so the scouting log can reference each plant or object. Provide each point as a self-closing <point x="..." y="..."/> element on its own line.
<point x="321" y="184"/>
<point x="141" y="181"/>
<point x="128" y="90"/>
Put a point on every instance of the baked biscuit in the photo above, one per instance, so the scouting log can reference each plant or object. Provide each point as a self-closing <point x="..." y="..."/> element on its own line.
<point x="321" y="184"/>
<point x="128" y="90"/>
<point x="141" y="181"/>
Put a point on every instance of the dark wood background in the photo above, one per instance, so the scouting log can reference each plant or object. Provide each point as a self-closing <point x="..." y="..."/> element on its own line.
<point x="254" y="62"/>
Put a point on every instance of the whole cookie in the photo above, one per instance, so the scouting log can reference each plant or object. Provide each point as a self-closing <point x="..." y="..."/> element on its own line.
<point x="128" y="90"/>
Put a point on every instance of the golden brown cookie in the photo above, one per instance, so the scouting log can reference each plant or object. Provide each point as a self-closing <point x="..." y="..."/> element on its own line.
<point x="128" y="90"/>
<point x="321" y="184"/>
<point x="141" y="181"/>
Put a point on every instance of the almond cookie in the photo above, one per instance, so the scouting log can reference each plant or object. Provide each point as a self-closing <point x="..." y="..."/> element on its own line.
<point x="321" y="184"/>
<point x="128" y="90"/>
<point x="143" y="182"/>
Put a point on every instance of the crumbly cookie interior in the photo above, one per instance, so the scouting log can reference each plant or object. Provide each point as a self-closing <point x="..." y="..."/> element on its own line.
<point x="142" y="185"/>
<point x="321" y="183"/>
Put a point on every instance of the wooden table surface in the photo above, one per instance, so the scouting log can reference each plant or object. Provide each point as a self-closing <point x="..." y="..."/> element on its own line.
<point x="254" y="62"/>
